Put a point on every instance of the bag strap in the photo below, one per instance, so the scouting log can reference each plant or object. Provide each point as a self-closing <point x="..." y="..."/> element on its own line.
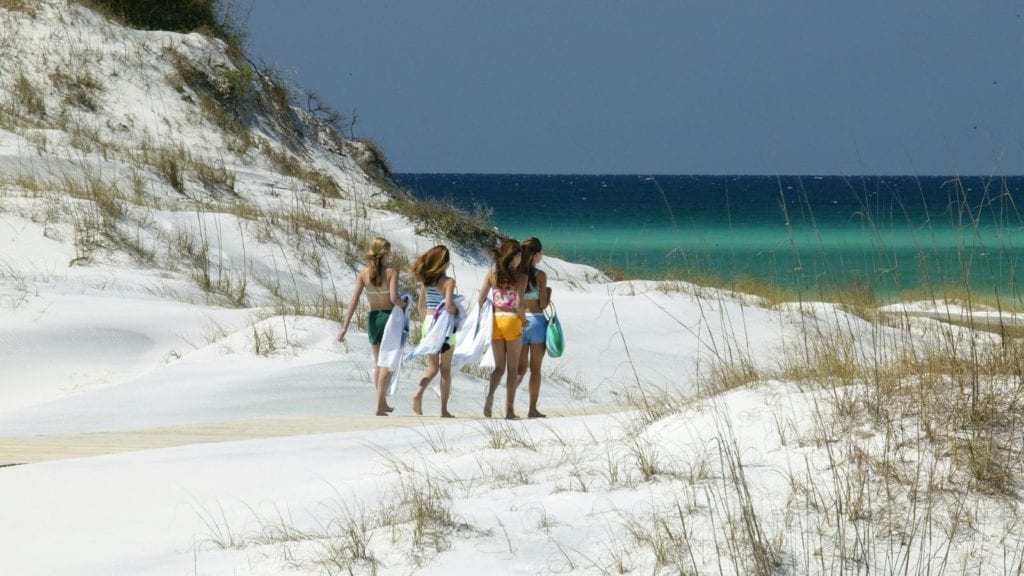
<point x="553" y="311"/>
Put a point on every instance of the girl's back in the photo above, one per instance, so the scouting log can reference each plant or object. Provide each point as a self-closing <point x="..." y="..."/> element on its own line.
<point x="378" y="296"/>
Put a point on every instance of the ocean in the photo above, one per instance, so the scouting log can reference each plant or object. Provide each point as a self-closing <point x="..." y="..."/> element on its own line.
<point x="886" y="234"/>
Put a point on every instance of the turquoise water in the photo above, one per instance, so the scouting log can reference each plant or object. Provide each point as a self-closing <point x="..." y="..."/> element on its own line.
<point x="891" y="234"/>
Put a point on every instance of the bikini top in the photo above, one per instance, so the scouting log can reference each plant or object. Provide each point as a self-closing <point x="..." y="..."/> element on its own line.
<point x="378" y="296"/>
<point x="505" y="297"/>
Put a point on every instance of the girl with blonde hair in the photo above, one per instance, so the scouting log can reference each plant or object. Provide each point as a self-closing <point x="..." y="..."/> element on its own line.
<point x="381" y="286"/>
<point x="436" y="288"/>
<point x="505" y="286"/>
<point x="535" y="300"/>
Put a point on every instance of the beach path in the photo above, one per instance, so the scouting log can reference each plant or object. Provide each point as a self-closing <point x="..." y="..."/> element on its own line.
<point x="30" y="449"/>
<point x="16" y="450"/>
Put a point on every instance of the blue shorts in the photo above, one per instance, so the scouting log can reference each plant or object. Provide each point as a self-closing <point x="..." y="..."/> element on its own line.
<point x="536" y="332"/>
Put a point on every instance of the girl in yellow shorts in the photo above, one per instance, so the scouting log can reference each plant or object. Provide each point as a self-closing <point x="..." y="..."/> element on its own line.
<point x="505" y="286"/>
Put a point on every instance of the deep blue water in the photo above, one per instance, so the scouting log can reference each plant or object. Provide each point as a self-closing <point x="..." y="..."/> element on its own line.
<point x="892" y="234"/>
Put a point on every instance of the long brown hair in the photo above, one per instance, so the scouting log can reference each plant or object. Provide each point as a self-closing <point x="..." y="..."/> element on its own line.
<point x="379" y="251"/>
<point x="531" y="247"/>
<point x="429" y="267"/>
<point x="504" y="273"/>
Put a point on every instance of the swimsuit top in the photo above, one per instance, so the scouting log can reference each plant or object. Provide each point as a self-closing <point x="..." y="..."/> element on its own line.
<point x="532" y="293"/>
<point x="434" y="298"/>
<point x="505" y="297"/>
<point x="378" y="296"/>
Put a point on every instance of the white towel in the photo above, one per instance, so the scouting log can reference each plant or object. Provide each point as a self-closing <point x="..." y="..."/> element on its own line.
<point x="442" y="325"/>
<point x="473" y="340"/>
<point x="396" y="336"/>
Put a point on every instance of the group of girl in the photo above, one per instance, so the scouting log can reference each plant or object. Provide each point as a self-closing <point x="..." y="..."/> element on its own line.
<point x="518" y="292"/>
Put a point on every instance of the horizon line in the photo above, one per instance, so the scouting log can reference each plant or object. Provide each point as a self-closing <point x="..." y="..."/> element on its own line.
<point x="719" y="175"/>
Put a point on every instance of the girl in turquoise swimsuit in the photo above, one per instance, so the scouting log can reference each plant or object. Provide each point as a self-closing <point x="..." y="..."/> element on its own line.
<point x="435" y="287"/>
<point x="535" y="300"/>
<point x="381" y="286"/>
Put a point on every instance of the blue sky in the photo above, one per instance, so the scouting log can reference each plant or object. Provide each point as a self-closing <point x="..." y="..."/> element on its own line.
<point x="668" y="87"/>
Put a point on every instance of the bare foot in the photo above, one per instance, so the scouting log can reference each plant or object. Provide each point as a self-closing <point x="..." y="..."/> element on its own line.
<point x="535" y="414"/>
<point x="389" y="408"/>
<point x="417" y="404"/>
<point x="511" y="416"/>
<point x="487" y="406"/>
<point x="446" y="415"/>
<point x="381" y="413"/>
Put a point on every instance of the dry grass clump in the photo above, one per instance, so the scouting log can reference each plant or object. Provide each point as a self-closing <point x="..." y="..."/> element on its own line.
<point x="215" y="177"/>
<point x="415" y="517"/>
<point x="439" y="219"/>
<point x="954" y="394"/>
<point x="177" y="166"/>
<point x="231" y="88"/>
<point x="960" y="295"/>
<point x="233" y="97"/>
<point x="26" y="6"/>
<point x="324" y="305"/>
<point x="28" y="97"/>
<point x="921" y="423"/>
<point x="79" y="88"/>
<point x="290" y="164"/>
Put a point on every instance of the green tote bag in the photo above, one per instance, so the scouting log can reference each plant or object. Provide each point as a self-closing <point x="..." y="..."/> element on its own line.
<point x="555" y="340"/>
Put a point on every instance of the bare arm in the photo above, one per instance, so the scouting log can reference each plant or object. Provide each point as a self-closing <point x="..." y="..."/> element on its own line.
<point x="393" y="289"/>
<point x="449" y="296"/>
<point x="421" y="301"/>
<point x="545" y="293"/>
<point x="521" y="300"/>
<point x="356" y="293"/>
<point x="484" y="289"/>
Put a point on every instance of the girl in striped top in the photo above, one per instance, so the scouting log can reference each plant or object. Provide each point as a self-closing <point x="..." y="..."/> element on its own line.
<point x="436" y="288"/>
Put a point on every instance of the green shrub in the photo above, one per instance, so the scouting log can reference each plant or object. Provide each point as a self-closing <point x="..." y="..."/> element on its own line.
<point x="374" y="161"/>
<point x="171" y="15"/>
<point x="237" y="85"/>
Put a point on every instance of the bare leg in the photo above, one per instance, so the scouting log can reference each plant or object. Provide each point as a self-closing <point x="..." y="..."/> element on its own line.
<point x="524" y="359"/>
<point x="383" y="375"/>
<point x="536" y="353"/>
<point x="376" y="380"/>
<point x="433" y="366"/>
<point x="512" y="349"/>
<point x="498" y="347"/>
<point x="446" y="382"/>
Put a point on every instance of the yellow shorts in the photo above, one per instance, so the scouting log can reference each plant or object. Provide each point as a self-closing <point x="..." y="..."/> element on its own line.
<point x="507" y="327"/>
